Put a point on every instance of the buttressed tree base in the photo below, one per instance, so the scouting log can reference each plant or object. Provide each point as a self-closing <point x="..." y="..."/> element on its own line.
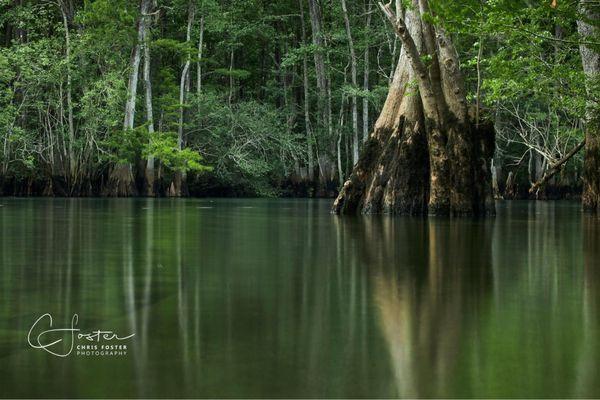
<point x="429" y="152"/>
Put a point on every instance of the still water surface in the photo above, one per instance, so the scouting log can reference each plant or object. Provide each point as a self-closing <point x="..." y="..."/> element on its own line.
<point x="277" y="298"/>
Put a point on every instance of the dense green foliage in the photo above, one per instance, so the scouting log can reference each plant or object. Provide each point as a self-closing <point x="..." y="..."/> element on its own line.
<point x="244" y="121"/>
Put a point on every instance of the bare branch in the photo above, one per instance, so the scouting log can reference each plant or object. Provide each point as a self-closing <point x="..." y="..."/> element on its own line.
<point x="554" y="169"/>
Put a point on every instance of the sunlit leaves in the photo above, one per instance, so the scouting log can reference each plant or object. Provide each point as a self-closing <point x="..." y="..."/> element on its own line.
<point x="164" y="148"/>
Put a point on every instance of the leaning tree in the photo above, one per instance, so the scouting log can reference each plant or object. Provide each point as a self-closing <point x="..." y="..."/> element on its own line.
<point x="428" y="152"/>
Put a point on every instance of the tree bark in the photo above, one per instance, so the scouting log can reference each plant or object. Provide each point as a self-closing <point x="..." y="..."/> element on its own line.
<point x="134" y="70"/>
<point x="184" y="77"/>
<point x="200" y="51"/>
<point x="307" y="123"/>
<point x="591" y="67"/>
<point x="392" y="173"/>
<point x="340" y="168"/>
<point x="231" y="63"/>
<point x="425" y="155"/>
<point x="150" y="173"/>
<point x="177" y="185"/>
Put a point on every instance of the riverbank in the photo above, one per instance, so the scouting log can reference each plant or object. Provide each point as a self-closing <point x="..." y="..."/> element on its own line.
<point x="196" y="186"/>
<point x="207" y="186"/>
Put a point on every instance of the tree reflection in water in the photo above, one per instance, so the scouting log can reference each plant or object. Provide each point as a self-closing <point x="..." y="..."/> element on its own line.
<point x="427" y="277"/>
<point x="264" y="298"/>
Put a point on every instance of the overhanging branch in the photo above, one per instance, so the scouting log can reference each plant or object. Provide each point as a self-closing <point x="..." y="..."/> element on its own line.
<point x="556" y="168"/>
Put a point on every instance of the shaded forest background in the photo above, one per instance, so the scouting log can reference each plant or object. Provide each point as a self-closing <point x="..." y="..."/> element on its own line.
<point x="250" y="97"/>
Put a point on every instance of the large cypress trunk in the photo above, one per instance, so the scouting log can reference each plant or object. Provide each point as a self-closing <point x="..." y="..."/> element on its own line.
<point x="392" y="173"/>
<point x="425" y="155"/>
<point x="591" y="67"/>
<point x="591" y="170"/>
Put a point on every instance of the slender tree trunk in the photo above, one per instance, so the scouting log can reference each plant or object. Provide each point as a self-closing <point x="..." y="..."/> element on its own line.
<point x="21" y="33"/>
<point x="289" y="100"/>
<point x="177" y="186"/>
<point x="183" y="80"/>
<point x="231" y="87"/>
<point x="478" y="90"/>
<point x="121" y="180"/>
<point x="591" y="67"/>
<point x="354" y="78"/>
<point x="324" y="99"/>
<point x="200" y="50"/>
<point x="340" y="128"/>
<point x="340" y="167"/>
<point x="330" y="130"/>
<point x="426" y="155"/>
<point x="365" y="100"/>
<point x="308" y="128"/>
<point x="317" y="38"/>
<point x="72" y="162"/>
<point x="129" y="120"/>
<point x="150" y="173"/>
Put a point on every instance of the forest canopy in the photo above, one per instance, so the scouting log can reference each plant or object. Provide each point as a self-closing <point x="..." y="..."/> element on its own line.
<point x="251" y="97"/>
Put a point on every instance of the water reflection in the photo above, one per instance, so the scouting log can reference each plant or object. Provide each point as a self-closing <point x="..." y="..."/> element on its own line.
<point x="587" y="376"/>
<point x="265" y="298"/>
<point x="430" y="279"/>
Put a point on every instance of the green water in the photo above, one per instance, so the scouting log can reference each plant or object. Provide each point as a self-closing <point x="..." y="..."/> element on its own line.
<point x="277" y="298"/>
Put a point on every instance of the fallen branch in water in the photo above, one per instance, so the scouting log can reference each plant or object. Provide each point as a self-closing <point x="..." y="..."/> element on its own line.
<point x="554" y="169"/>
